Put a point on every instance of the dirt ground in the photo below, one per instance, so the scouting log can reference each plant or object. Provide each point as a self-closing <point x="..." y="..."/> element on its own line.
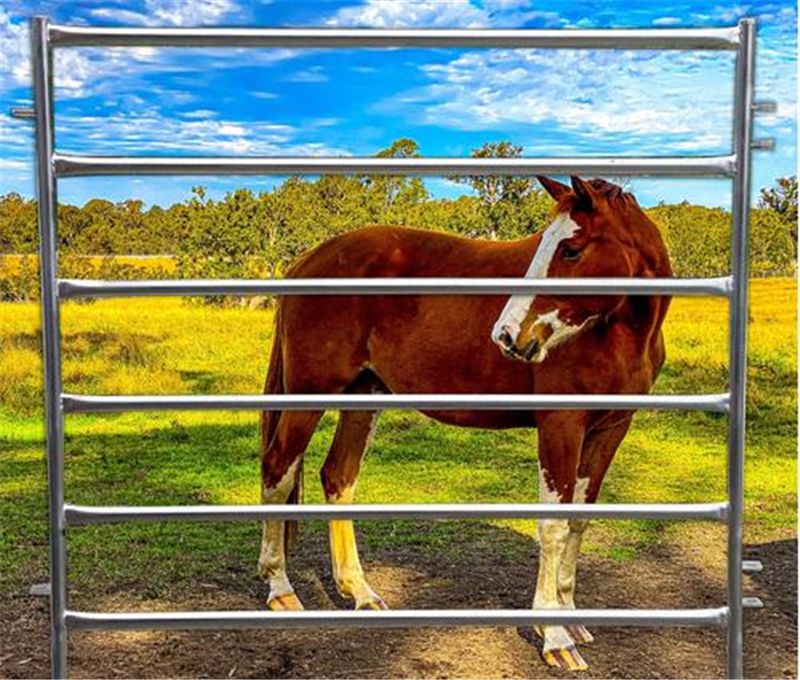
<point x="660" y="578"/>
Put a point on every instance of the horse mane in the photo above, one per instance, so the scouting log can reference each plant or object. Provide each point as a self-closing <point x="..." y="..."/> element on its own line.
<point x="613" y="193"/>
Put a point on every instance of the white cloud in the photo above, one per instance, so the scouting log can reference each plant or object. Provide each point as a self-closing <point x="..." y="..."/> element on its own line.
<point x="118" y="15"/>
<point x="648" y="101"/>
<point x="76" y="71"/>
<point x="729" y="13"/>
<point x="441" y="14"/>
<point x="81" y="72"/>
<point x="185" y="13"/>
<point x="313" y="74"/>
<point x="16" y="136"/>
<point x="401" y="13"/>
<point x="13" y="164"/>
<point x="199" y="113"/>
<point x="13" y="50"/>
<point x="666" y="21"/>
<point x="600" y="91"/>
<point x="148" y="131"/>
<point x="169" y="13"/>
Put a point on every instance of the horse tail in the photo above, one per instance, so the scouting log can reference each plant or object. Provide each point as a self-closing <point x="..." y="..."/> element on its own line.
<point x="269" y="426"/>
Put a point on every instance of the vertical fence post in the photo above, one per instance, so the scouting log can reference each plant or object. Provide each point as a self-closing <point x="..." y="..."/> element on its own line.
<point x="46" y="195"/>
<point x="742" y="133"/>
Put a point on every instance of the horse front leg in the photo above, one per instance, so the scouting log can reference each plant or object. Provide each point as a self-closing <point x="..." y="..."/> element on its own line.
<point x="599" y="447"/>
<point x="560" y="442"/>
<point x="567" y="574"/>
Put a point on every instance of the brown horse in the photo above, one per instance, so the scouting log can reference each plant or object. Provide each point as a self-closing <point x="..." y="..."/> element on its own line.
<point x="449" y="344"/>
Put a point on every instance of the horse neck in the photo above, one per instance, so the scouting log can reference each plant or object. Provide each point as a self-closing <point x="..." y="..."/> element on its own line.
<point x="520" y="252"/>
<point x="645" y="314"/>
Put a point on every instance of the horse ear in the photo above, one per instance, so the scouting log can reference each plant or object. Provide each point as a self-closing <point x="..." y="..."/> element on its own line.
<point x="584" y="191"/>
<point x="555" y="189"/>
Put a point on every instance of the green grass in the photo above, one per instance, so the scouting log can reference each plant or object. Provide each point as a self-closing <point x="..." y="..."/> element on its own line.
<point x="166" y="346"/>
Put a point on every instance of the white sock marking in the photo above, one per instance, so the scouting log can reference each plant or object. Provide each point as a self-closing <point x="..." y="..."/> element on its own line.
<point x="272" y="562"/>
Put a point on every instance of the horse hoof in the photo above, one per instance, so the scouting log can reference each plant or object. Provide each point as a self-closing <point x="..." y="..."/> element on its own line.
<point x="285" y="602"/>
<point x="375" y="603"/>
<point x="580" y="634"/>
<point x="565" y="659"/>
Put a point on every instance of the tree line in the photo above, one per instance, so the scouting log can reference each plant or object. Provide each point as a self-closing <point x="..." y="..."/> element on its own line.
<point x="247" y="234"/>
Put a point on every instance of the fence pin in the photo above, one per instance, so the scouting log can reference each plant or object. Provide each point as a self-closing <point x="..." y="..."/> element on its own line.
<point x="40" y="590"/>
<point x="765" y="106"/>
<point x="752" y="603"/>
<point x="752" y="566"/>
<point x="22" y="112"/>
<point x="763" y="144"/>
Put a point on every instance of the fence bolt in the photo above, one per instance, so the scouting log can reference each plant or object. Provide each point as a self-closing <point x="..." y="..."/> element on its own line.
<point x="763" y="144"/>
<point x="765" y="106"/>
<point x="752" y="566"/>
<point x="40" y="590"/>
<point x="23" y="112"/>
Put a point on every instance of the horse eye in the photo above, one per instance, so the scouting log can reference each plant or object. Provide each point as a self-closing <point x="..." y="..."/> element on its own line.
<point x="568" y="253"/>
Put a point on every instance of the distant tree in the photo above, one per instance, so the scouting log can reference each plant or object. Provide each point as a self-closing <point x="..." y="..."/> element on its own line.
<point x="389" y="198"/>
<point x="773" y="248"/>
<point x="782" y="198"/>
<point x="221" y="237"/>
<point x="254" y="235"/>
<point x="697" y="238"/>
<point x="18" y="233"/>
<point x="503" y="197"/>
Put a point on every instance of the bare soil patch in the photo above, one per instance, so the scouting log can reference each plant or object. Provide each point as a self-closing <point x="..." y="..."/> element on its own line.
<point x="406" y="579"/>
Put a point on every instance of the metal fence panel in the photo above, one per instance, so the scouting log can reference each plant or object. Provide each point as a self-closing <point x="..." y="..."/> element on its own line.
<point x="51" y="165"/>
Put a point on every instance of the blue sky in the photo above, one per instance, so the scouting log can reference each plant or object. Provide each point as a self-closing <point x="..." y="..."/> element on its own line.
<point x="346" y="102"/>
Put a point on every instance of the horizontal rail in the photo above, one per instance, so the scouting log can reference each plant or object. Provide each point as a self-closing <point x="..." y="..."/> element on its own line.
<point x="425" y="618"/>
<point x="75" y="403"/>
<point x="648" y="39"/>
<point x="73" y="165"/>
<point x="77" y="515"/>
<point x="83" y="288"/>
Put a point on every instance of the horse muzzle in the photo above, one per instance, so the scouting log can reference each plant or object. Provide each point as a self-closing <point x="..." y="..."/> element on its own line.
<point x="511" y="349"/>
<point x="530" y="344"/>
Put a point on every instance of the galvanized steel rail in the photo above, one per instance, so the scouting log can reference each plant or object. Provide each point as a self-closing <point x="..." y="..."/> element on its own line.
<point x="89" y="514"/>
<point x="52" y="165"/>
<point x="85" y="288"/>
<point x="78" y="403"/>
<point x="423" y="618"/>
<point x="73" y="165"/>
<point x="647" y="39"/>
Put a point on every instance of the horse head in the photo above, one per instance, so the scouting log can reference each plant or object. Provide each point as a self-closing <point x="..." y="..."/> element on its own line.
<point x="599" y="231"/>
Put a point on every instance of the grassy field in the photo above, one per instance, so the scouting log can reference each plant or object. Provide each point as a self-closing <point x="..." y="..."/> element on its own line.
<point x="170" y="346"/>
<point x="13" y="263"/>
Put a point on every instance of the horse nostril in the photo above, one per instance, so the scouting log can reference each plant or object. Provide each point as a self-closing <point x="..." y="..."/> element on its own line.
<point x="505" y="339"/>
<point x="531" y="350"/>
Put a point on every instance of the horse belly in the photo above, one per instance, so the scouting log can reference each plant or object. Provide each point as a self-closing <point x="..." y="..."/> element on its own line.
<point x="486" y="420"/>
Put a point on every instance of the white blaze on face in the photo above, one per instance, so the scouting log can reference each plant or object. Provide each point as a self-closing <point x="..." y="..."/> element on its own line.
<point x="516" y="309"/>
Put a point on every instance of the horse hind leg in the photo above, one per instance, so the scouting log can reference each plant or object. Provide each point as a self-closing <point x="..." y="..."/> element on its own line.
<point x="339" y="476"/>
<point x="280" y="467"/>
